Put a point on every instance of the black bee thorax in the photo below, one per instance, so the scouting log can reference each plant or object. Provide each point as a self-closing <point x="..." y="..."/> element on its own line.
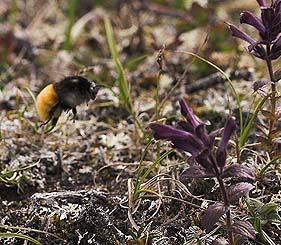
<point x="73" y="91"/>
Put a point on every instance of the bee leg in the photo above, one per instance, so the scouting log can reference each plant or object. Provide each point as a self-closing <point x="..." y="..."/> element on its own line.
<point x="74" y="111"/>
<point x="53" y="124"/>
<point x="54" y="121"/>
<point x="44" y="123"/>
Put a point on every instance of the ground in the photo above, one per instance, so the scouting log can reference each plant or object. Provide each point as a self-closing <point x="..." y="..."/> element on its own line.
<point x="77" y="181"/>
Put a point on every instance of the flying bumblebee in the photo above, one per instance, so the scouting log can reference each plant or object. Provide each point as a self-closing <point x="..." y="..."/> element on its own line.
<point x="64" y="96"/>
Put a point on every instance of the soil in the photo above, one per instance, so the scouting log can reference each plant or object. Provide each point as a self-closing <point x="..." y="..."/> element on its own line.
<point x="77" y="182"/>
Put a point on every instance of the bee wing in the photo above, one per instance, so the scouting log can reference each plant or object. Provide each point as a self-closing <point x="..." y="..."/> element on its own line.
<point x="72" y="98"/>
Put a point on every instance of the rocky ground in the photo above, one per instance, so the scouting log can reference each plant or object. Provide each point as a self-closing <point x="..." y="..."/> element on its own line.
<point x="77" y="183"/>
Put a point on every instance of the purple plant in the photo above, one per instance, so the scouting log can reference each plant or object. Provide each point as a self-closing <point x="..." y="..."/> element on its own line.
<point x="268" y="48"/>
<point x="191" y="136"/>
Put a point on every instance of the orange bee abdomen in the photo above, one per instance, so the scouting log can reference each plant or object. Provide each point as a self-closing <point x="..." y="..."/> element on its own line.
<point x="45" y="102"/>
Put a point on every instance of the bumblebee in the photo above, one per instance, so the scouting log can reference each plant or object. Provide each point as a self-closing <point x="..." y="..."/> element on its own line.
<point x="64" y="95"/>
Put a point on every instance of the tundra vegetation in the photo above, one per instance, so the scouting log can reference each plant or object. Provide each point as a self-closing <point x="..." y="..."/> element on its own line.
<point x="180" y="146"/>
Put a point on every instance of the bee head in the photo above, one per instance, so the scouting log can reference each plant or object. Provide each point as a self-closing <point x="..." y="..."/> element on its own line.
<point x="86" y="87"/>
<point x="93" y="89"/>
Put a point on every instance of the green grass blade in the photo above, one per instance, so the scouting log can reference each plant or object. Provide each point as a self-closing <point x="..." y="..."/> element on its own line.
<point x="143" y="155"/>
<point x="246" y="131"/>
<point x="133" y="62"/>
<point x="71" y="19"/>
<point x="110" y="38"/>
<point x="146" y="173"/>
<point x="122" y="82"/>
<point x="250" y="208"/>
<point x="123" y="85"/>
<point x="14" y="11"/>
<point x="264" y="169"/>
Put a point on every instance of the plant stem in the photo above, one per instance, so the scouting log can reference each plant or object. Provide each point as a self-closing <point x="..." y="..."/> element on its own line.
<point x="238" y="153"/>
<point x="273" y="90"/>
<point x="157" y="107"/>
<point x="160" y="58"/>
<point x="137" y="122"/>
<point x="225" y="200"/>
<point x="228" y="212"/>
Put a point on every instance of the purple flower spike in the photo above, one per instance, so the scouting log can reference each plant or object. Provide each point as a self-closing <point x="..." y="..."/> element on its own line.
<point x="257" y="50"/>
<point x="193" y="137"/>
<point x="229" y="129"/>
<point x="262" y="3"/>
<point x="168" y="132"/>
<point x="188" y="113"/>
<point x="267" y="16"/>
<point x="276" y="49"/>
<point x="181" y="139"/>
<point x="250" y="19"/>
<point x="269" y="27"/>
<point x="240" y="34"/>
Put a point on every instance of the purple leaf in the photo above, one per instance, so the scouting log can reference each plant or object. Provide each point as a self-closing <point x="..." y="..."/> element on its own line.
<point x="191" y="145"/>
<point x="229" y="129"/>
<point x="238" y="190"/>
<point x="250" y="19"/>
<point x="236" y="32"/>
<point x="238" y="170"/>
<point x="188" y="113"/>
<point x="212" y="215"/>
<point x="197" y="172"/>
<point x="244" y="229"/>
<point x="259" y="84"/>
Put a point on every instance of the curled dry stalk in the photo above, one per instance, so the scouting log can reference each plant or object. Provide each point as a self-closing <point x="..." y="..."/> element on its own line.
<point x="146" y="190"/>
